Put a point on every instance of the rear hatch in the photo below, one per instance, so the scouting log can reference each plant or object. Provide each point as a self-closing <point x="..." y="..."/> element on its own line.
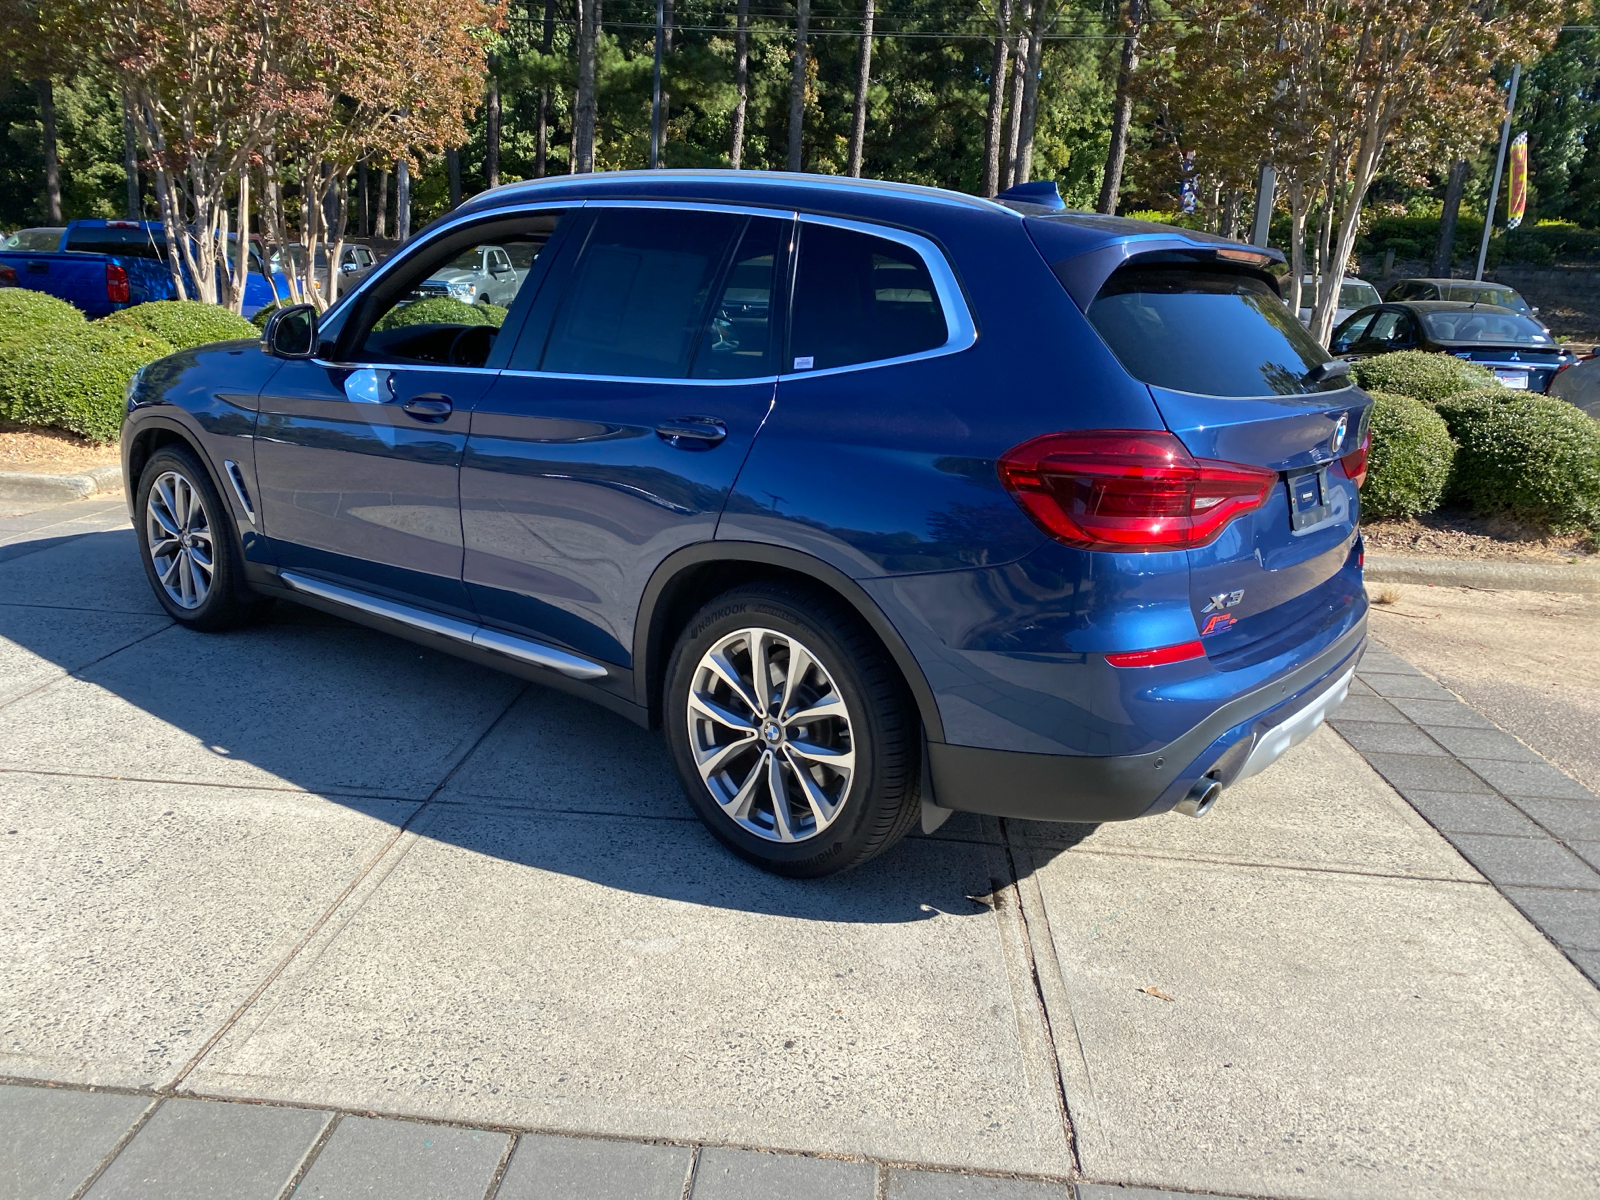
<point x="1234" y="376"/>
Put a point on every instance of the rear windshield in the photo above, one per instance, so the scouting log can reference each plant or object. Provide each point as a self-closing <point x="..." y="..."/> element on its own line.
<point x="34" y="241"/>
<point x="125" y="243"/>
<point x="1353" y="293"/>
<point x="1492" y="328"/>
<point x="1208" y="331"/>
<point x="1503" y="296"/>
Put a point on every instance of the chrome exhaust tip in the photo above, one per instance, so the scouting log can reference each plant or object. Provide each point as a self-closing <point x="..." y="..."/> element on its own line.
<point x="1201" y="799"/>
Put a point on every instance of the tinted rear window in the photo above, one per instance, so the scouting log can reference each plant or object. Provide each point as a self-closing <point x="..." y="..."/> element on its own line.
<point x="125" y="243"/>
<point x="1212" y="332"/>
<point x="860" y="299"/>
<point x="1488" y="328"/>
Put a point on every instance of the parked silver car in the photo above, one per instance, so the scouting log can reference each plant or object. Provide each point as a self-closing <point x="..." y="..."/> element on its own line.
<point x="481" y="275"/>
<point x="1353" y="294"/>
<point x="1579" y="384"/>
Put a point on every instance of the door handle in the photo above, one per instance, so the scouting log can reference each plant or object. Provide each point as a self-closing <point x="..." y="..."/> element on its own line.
<point x="433" y="407"/>
<point x="37" y="267"/>
<point x="692" y="433"/>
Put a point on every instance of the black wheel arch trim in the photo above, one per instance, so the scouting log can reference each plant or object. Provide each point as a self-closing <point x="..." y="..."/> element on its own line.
<point x="648" y="629"/>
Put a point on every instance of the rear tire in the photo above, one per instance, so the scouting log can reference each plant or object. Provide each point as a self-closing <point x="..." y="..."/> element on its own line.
<point x="814" y="769"/>
<point x="188" y="547"/>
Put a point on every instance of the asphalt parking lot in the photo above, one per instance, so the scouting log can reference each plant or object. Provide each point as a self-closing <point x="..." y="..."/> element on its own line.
<point x="306" y="910"/>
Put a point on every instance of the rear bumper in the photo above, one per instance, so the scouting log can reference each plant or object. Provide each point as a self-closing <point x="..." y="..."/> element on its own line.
<point x="1241" y="738"/>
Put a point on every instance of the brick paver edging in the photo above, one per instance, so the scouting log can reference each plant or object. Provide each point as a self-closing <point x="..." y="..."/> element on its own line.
<point x="65" y="1142"/>
<point x="1532" y="830"/>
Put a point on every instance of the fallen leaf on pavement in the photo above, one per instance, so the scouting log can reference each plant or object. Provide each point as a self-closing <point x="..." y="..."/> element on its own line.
<point x="1157" y="993"/>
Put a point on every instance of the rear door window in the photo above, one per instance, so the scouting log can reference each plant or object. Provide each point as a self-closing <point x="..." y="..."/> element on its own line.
<point x="637" y="299"/>
<point x="1210" y="331"/>
<point x="860" y="299"/>
<point x="737" y="341"/>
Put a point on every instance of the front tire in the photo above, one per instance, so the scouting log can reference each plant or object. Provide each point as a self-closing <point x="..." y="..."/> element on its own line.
<point x="187" y="545"/>
<point x="793" y="734"/>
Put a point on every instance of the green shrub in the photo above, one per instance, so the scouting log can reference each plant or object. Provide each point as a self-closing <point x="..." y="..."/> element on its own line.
<point x="442" y="310"/>
<point x="183" y="323"/>
<point x="1421" y="375"/>
<point x="262" y="313"/>
<point x="1409" y="464"/>
<point x="1532" y="456"/>
<point x="22" y="311"/>
<point x="74" y="377"/>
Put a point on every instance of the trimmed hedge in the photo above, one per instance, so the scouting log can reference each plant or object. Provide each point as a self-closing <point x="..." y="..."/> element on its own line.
<point x="262" y="313"/>
<point x="442" y="310"/>
<point x="183" y="323"/>
<point x="1420" y="374"/>
<point x="1409" y="464"/>
<point x="74" y="377"/>
<point x="1532" y="456"/>
<point x="22" y="311"/>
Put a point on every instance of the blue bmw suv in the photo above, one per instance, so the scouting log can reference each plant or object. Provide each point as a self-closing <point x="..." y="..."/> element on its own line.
<point x="879" y="501"/>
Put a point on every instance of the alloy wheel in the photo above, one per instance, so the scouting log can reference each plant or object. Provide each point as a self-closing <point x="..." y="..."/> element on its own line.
<point x="180" y="542"/>
<point x="771" y="735"/>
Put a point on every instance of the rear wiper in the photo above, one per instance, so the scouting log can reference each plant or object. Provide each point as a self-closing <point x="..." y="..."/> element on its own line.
<point x="1333" y="369"/>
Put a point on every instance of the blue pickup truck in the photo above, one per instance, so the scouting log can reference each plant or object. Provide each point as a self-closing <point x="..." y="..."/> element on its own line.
<point x="100" y="266"/>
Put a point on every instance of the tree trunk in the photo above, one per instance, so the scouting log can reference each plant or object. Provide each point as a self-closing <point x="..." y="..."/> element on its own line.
<point x="241" y="272"/>
<point x="1445" y="252"/>
<point x="491" y="133"/>
<point x="858" y="127"/>
<point x="1019" y="68"/>
<point x="402" y="199"/>
<point x="380" y="227"/>
<point x="1228" y="218"/>
<point x="583" y="125"/>
<point x="1296" y="193"/>
<point x="541" y="153"/>
<point x="452" y="166"/>
<point x="46" y="93"/>
<point x="363" y="185"/>
<point x="1030" y="92"/>
<point x="1351" y="196"/>
<point x="666" y="92"/>
<point x="997" y="97"/>
<point x="1122" y="114"/>
<point x="741" y="80"/>
<point x="797" y="84"/>
<point x="130" y="164"/>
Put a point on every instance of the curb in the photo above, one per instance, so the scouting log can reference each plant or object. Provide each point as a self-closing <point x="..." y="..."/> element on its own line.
<point x="27" y="487"/>
<point x="1461" y="572"/>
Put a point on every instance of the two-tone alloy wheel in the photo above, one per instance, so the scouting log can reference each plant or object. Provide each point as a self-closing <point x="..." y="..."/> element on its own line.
<point x="792" y="732"/>
<point x="186" y="543"/>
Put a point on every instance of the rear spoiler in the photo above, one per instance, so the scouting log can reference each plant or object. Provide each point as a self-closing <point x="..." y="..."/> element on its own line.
<point x="1084" y="275"/>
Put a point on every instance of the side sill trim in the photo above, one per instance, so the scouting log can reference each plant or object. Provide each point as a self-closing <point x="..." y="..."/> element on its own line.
<point x="522" y="649"/>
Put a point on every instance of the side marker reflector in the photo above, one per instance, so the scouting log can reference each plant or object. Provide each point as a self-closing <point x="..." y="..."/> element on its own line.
<point x="1157" y="658"/>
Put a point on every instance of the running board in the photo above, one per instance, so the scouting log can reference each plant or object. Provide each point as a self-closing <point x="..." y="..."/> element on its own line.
<point x="520" y="648"/>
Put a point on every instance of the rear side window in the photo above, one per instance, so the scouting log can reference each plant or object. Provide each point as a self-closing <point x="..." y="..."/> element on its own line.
<point x="638" y="295"/>
<point x="860" y="299"/>
<point x="131" y="243"/>
<point x="1212" y="332"/>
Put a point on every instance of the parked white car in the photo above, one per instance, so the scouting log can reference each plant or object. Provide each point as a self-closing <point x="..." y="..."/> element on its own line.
<point x="481" y="275"/>
<point x="1353" y="294"/>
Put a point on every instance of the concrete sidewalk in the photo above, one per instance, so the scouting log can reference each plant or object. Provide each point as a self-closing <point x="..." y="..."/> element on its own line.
<point x="315" y="908"/>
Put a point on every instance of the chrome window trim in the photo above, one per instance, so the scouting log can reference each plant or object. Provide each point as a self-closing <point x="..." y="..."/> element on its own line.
<point x="382" y="366"/>
<point x="739" y="210"/>
<point x="962" y="329"/>
<point x="651" y="379"/>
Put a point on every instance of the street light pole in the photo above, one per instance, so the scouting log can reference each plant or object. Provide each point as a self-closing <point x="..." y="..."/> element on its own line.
<point x="1499" y="166"/>
<point x="655" y="87"/>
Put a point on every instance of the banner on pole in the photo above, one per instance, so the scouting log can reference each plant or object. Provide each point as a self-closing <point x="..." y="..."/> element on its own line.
<point x="1517" y="198"/>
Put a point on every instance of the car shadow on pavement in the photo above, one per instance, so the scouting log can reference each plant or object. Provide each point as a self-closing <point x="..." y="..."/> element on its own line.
<point x="357" y="717"/>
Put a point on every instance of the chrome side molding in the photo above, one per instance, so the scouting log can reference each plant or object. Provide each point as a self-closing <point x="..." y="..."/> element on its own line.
<point x="236" y="477"/>
<point x="522" y="649"/>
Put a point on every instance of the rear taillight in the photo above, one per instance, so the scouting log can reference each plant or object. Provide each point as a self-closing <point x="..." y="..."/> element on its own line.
<point x="8" y="276"/>
<point x="1355" y="463"/>
<point x="1129" y="489"/>
<point x="1157" y="658"/>
<point x="116" y="284"/>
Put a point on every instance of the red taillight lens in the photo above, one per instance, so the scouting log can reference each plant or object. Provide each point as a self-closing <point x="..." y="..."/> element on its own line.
<point x="1129" y="489"/>
<point x="1156" y="658"/>
<point x="116" y="284"/>
<point x="8" y="277"/>
<point x="1355" y="463"/>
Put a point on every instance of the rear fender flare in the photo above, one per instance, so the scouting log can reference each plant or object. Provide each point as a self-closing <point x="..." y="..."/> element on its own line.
<point x="649" y="654"/>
